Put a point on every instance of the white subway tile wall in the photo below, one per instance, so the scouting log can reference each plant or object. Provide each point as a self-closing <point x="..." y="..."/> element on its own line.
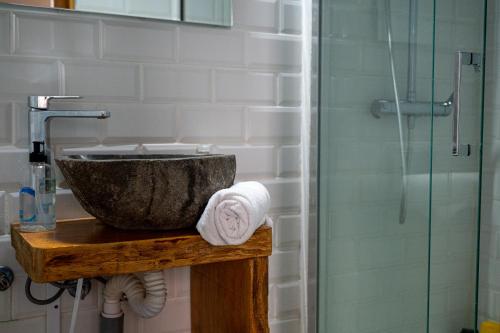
<point x="244" y="87"/>
<point x="66" y="37"/>
<point x="23" y="76"/>
<point x="170" y="87"/>
<point x="6" y="129"/>
<point x="4" y="33"/>
<point x="141" y="42"/>
<point x="110" y="80"/>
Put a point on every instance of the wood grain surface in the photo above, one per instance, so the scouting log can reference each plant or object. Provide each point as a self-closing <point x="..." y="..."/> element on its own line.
<point x="230" y="297"/>
<point x="88" y="248"/>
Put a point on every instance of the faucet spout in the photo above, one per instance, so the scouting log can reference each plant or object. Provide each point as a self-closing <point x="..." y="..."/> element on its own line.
<point x="40" y="120"/>
<point x="75" y="114"/>
<point x="40" y="116"/>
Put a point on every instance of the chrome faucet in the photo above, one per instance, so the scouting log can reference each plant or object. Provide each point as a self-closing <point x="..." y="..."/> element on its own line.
<point x="40" y="116"/>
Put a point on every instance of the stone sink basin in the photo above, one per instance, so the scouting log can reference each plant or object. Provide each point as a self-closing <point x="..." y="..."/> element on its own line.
<point x="147" y="192"/>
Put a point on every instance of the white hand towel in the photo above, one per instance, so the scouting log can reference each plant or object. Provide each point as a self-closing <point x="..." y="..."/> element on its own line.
<point x="232" y="215"/>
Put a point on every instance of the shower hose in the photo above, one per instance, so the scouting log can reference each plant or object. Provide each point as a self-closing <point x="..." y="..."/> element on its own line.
<point x="404" y="156"/>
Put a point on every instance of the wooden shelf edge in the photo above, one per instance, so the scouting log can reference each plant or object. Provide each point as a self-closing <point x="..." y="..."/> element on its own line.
<point x="87" y="248"/>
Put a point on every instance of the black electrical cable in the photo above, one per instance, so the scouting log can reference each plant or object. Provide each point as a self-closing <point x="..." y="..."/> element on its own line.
<point x="71" y="284"/>
<point x="31" y="298"/>
<point x="101" y="279"/>
<point x="65" y="284"/>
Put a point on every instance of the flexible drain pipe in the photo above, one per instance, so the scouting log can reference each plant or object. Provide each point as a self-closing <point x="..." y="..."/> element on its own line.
<point x="146" y="298"/>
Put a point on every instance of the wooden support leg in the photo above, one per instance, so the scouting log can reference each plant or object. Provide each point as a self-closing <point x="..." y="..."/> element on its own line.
<point x="230" y="297"/>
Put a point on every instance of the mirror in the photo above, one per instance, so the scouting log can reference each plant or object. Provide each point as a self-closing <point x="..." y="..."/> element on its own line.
<point x="208" y="11"/>
<point x="212" y="12"/>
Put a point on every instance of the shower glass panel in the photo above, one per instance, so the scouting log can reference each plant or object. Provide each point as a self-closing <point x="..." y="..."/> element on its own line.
<point x="455" y="179"/>
<point x="398" y="212"/>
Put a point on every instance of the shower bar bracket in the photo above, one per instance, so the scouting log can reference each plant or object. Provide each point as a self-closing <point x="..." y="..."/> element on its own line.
<point x="419" y="109"/>
<point x="471" y="59"/>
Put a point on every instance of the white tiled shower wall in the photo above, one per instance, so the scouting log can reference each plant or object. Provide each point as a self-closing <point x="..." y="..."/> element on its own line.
<point x="169" y="87"/>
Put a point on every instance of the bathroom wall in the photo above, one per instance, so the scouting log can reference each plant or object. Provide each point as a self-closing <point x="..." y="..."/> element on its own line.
<point x="373" y="270"/>
<point x="170" y="87"/>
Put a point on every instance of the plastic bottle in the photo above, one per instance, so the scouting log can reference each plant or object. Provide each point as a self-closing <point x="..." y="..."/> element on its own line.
<point x="490" y="327"/>
<point x="37" y="200"/>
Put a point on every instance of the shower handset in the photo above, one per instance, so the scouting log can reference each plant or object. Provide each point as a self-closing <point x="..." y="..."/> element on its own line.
<point x="462" y="58"/>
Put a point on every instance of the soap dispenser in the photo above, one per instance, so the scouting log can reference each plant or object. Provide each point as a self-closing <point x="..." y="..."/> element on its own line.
<point x="37" y="200"/>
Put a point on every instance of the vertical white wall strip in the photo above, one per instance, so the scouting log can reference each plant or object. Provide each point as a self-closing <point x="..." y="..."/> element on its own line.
<point x="305" y="154"/>
<point x="78" y="296"/>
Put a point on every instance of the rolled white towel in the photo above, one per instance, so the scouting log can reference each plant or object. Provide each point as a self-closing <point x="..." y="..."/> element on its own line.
<point x="232" y="215"/>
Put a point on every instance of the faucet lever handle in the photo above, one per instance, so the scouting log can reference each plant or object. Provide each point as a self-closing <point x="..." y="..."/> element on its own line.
<point x="42" y="102"/>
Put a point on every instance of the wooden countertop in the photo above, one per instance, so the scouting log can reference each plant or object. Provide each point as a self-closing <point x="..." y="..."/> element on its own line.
<point x="89" y="248"/>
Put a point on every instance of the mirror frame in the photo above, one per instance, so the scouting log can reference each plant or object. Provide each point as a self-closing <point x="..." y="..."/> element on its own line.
<point x="65" y="6"/>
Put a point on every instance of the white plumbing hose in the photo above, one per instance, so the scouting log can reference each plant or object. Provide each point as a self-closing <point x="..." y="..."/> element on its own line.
<point x="146" y="299"/>
<point x="404" y="185"/>
<point x="78" y="296"/>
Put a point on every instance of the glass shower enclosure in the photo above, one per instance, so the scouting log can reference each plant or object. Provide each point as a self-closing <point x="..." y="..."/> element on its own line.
<point x="400" y="135"/>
